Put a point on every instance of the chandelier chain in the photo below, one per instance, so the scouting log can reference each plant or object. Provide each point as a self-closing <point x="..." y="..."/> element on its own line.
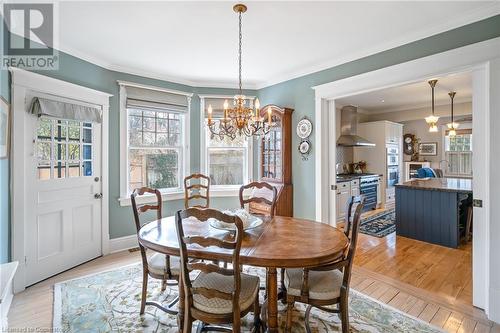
<point x="239" y="53"/>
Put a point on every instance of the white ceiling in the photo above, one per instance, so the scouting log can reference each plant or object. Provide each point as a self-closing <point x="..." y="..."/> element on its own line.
<point x="413" y="96"/>
<point x="196" y="42"/>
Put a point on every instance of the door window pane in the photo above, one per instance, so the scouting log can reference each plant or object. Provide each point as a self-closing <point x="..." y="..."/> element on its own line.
<point x="67" y="158"/>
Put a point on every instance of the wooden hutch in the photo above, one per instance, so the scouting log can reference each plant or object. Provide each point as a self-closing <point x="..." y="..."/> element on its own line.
<point x="275" y="154"/>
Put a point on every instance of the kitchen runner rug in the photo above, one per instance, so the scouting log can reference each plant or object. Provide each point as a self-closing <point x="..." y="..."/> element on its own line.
<point x="379" y="225"/>
<point x="109" y="302"/>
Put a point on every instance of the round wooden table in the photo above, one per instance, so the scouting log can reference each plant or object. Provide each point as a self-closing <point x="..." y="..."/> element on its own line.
<point x="280" y="242"/>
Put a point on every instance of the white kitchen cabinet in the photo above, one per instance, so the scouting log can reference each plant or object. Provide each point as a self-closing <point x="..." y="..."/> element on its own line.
<point x="344" y="191"/>
<point x="382" y="133"/>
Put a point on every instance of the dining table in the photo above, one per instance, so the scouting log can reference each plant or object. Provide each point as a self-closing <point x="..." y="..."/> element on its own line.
<point x="279" y="242"/>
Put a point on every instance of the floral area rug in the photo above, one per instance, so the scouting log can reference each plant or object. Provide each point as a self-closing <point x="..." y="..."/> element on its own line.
<point x="379" y="225"/>
<point x="110" y="301"/>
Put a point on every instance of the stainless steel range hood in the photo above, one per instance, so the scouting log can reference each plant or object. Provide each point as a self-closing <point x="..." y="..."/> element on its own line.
<point x="348" y="129"/>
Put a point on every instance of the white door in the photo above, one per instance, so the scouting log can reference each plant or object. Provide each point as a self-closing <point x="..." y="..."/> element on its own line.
<point x="63" y="200"/>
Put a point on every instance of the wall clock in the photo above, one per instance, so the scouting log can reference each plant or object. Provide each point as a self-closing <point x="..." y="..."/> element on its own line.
<point x="408" y="144"/>
<point x="304" y="148"/>
<point x="304" y="128"/>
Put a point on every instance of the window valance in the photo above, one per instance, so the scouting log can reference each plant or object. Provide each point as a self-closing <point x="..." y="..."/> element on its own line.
<point x="143" y="98"/>
<point x="56" y="109"/>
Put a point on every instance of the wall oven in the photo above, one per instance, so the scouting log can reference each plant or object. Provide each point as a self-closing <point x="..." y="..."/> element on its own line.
<point x="392" y="175"/>
<point x="392" y="155"/>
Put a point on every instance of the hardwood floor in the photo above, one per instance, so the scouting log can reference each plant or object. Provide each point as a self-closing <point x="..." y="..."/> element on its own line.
<point x="33" y="307"/>
<point x="443" y="271"/>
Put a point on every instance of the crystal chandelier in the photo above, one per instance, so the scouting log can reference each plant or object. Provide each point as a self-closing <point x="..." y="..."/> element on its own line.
<point x="452" y="127"/>
<point x="241" y="119"/>
<point x="432" y="119"/>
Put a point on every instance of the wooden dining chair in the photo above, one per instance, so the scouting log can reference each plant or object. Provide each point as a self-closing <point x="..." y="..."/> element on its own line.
<point x="263" y="194"/>
<point x="157" y="265"/>
<point x="194" y="186"/>
<point x="217" y="295"/>
<point x="329" y="284"/>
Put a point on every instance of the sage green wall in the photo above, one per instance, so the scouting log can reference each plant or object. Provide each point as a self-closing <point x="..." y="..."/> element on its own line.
<point x="78" y="71"/>
<point x="297" y="93"/>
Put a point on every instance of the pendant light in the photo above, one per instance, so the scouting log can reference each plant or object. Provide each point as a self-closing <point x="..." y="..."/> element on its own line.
<point x="452" y="127"/>
<point x="432" y="119"/>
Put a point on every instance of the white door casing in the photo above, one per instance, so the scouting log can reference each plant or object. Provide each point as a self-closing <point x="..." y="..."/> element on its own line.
<point x="476" y="58"/>
<point x="76" y="241"/>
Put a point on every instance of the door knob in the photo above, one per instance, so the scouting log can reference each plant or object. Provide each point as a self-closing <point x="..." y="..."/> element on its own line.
<point x="98" y="195"/>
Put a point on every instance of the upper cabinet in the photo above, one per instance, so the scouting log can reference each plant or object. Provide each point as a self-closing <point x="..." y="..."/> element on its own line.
<point x="393" y="133"/>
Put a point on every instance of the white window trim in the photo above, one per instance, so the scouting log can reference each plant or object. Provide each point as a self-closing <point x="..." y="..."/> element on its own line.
<point x="222" y="190"/>
<point x="171" y="194"/>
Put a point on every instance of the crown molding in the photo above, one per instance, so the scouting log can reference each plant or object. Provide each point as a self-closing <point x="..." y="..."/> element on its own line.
<point x="479" y="14"/>
<point x="447" y="24"/>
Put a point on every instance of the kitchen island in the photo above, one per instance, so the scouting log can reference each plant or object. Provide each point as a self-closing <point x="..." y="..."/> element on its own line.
<point x="432" y="209"/>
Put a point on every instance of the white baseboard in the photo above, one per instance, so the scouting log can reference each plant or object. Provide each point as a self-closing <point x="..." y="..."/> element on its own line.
<point x="123" y="243"/>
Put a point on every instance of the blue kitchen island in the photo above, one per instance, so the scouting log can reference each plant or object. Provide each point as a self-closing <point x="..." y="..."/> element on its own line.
<point x="433" y="209"/>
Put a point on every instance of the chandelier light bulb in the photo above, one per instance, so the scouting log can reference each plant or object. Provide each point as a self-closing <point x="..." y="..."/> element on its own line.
<point x="452" y="132"/>
<point x="433" y="128"/>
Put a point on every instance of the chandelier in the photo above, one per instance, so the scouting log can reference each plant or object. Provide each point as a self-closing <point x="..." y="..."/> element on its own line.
<point x="452" y="127"/>
<point x="432" y="119"/>
<point x="240" y="119"/>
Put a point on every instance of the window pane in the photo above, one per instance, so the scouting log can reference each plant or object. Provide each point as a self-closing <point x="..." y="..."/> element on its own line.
<point x="73" y="152"/>
<point x="43" y="170"/>
<point x="226" y="166"/>
<point x="74" y="133"/>
<point x="156" y="168"/>
<point x="44" y="150"/>
<point x="87" y="168"/>
<point x="87" y="135"/>
<point x="87" y="152"/>
<point x="44" y="129"/>
<point x="74" y="170"/>
<point x="60" y="151"/>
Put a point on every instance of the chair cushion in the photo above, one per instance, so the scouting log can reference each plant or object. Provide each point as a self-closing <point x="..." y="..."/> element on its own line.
<point x="157" y="264"/>
<point x="323" y="285"/>
<point x="248" y="292"/>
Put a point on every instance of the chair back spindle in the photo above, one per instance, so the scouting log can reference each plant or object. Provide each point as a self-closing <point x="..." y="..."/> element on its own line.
<point x="197" y="187"/>
<point x="268" y="197"/>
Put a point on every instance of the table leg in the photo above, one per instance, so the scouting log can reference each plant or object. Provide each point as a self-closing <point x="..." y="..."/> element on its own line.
<point x="272" y="300"/>
<point x="180" y="313"/>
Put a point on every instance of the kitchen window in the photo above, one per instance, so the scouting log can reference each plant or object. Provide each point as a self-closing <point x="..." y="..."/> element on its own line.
<point x="458" y="153"/>
<point x="154" y="140"/>
<point x="227" y="162"/>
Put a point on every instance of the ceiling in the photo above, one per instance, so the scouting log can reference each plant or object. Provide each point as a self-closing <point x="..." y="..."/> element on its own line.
<point x="196" y="42"/>
<point x="412" y="96"/>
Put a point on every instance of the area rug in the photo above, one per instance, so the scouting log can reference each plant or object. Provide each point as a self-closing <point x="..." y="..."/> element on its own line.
<point x="379" y="225"/>
<point x="109" y="302"/>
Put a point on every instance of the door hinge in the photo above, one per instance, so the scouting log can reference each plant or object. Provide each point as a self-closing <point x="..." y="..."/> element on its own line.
<point x="333" y="187"/>
<point x="25" y="260"/>
<point x="477" y="203"/>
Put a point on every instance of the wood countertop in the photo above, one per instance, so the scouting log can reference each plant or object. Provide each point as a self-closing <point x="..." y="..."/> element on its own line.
<point x="440" y="184"/>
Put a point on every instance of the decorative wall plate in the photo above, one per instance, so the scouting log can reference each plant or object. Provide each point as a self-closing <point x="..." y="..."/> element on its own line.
<point x="304" y="148"/>
<point x="304" y="128"/>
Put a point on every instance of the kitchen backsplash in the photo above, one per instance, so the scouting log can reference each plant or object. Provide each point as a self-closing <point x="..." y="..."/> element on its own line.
<point x="344" y="155"/>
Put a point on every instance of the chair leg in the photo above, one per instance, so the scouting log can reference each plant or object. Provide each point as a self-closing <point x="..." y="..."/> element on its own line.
<point x="144" y="290"/>
<point x="256" y="314"/>
<point x="344" y="314"/>
<point x="289" y="310"/>
<point x="306" y="319"/>
<point x="188" y="323"/>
